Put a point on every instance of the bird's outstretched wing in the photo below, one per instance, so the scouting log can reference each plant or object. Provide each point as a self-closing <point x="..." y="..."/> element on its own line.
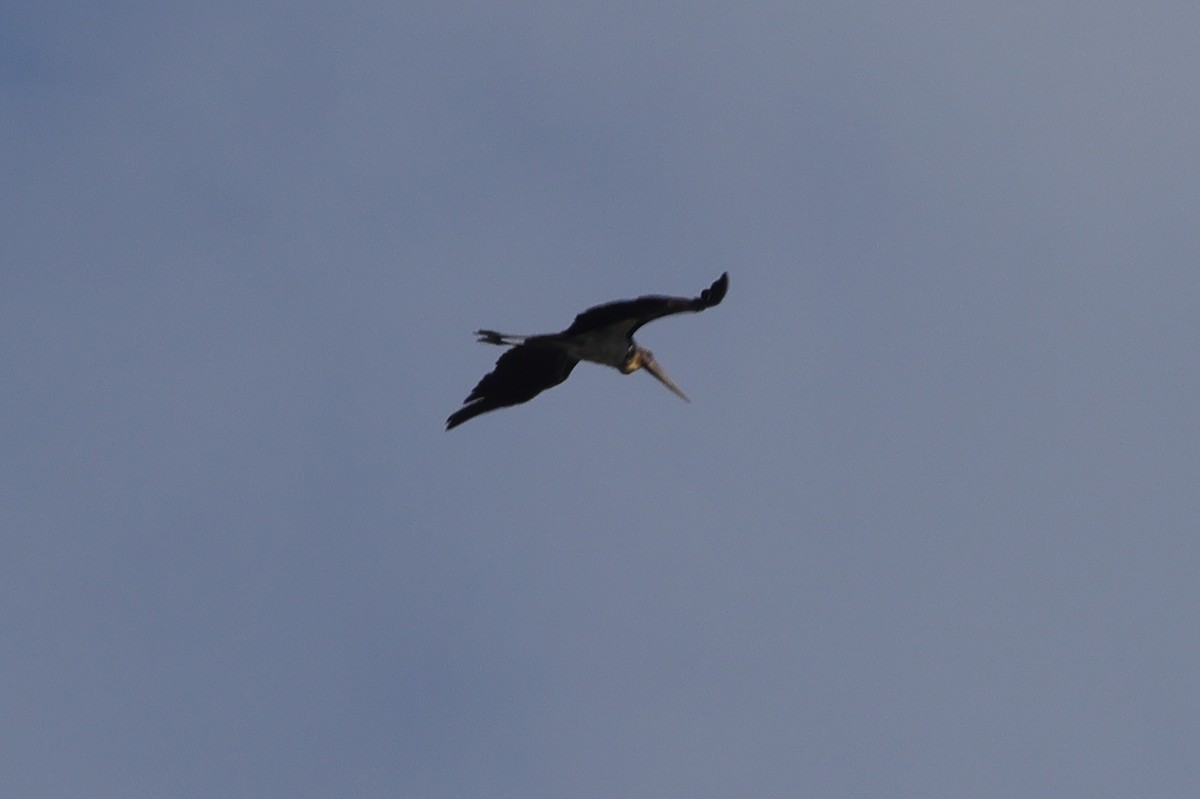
<point x="521" y="374"/>
<point x="629" y="315"/>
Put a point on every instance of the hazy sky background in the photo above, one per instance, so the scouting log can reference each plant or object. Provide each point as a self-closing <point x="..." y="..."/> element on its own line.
<point x="928" y="528"/>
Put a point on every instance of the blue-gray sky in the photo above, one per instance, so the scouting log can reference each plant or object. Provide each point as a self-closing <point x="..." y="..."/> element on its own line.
<point x="928" y="528"/>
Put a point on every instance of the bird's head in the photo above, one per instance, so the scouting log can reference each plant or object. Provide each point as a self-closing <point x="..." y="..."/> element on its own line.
<point x="642" y="358"/>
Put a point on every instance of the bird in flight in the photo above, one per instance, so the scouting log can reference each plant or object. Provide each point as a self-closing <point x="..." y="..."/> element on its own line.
<point x="603" y="334"/>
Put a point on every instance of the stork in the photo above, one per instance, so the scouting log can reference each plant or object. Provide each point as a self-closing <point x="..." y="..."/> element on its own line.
<point x="603" y="334"/>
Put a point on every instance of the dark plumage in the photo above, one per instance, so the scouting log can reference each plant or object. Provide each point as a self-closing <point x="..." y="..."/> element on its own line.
<point x="628" y="315"/>
<point x="520" y="375"/>
<point x="602" y="334"/>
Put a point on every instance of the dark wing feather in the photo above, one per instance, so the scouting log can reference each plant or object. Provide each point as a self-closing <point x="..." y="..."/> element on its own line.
<point x="520" y="375"/>
<point x="629" y="315"/>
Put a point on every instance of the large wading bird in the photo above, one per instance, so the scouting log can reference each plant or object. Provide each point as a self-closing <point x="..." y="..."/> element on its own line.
<point x="603" y="335"/>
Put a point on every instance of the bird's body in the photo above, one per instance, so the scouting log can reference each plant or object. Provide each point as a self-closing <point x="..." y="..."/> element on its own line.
<point x="603" y="334"/>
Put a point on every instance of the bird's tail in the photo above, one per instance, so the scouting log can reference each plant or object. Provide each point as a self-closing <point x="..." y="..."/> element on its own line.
<point x="504" y="340"/>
